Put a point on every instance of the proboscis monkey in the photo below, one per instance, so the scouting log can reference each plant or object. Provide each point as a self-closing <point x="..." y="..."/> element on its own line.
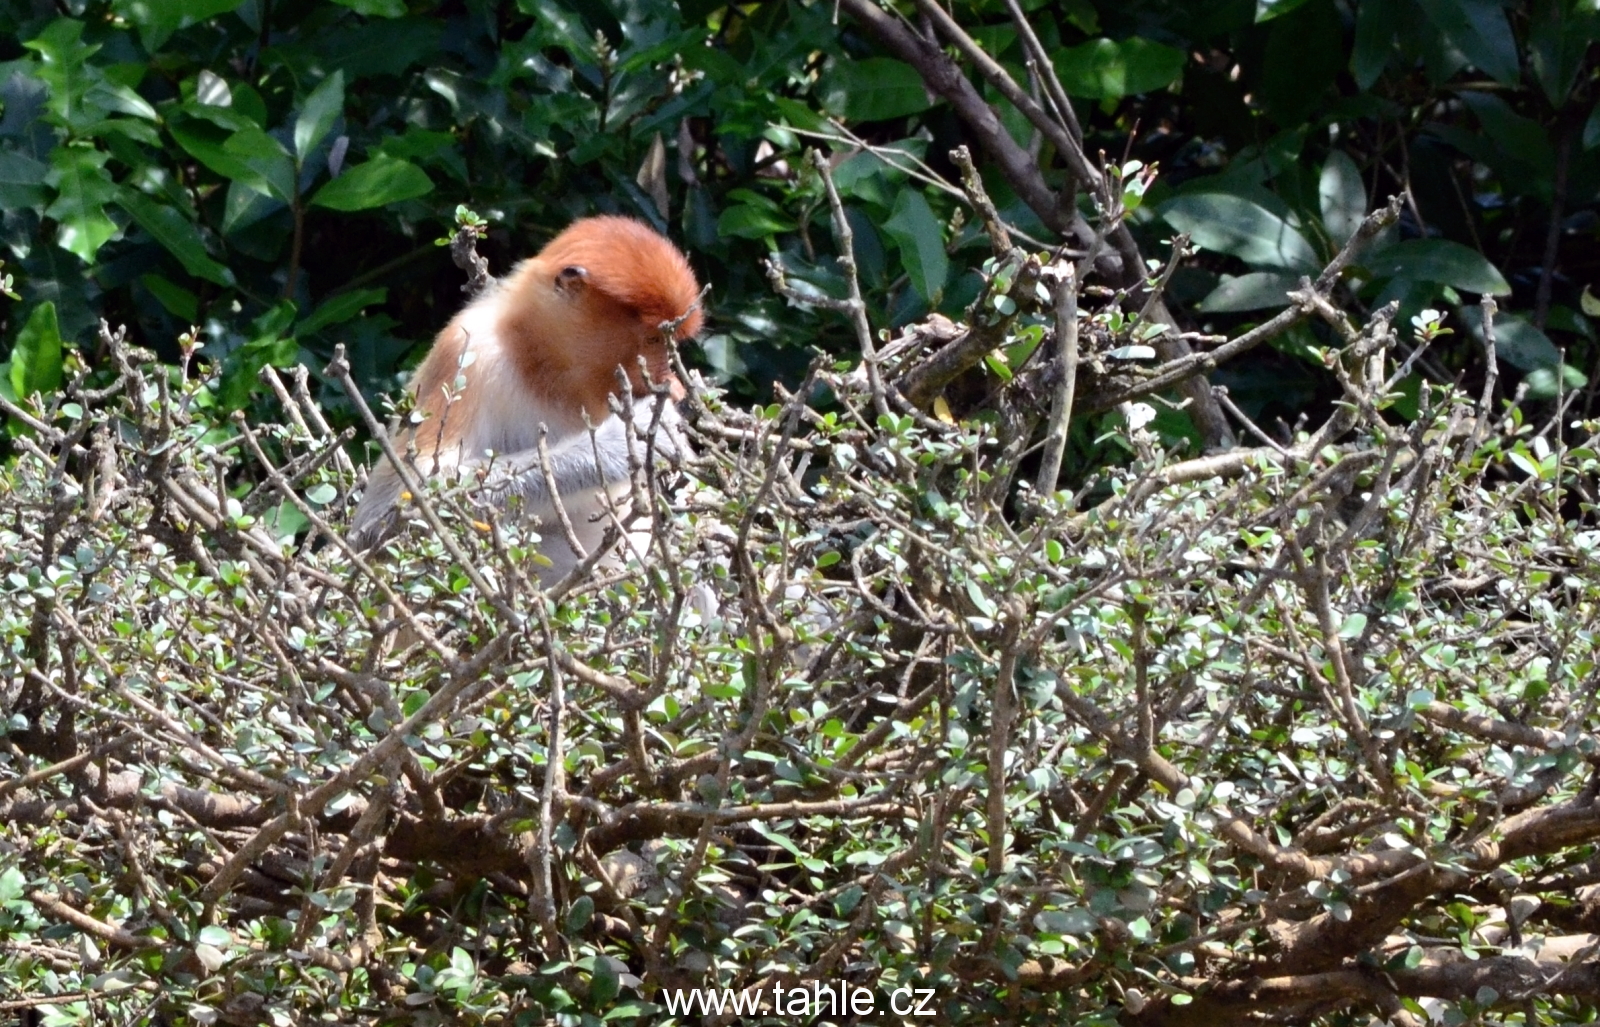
<point x="543" y="347"/>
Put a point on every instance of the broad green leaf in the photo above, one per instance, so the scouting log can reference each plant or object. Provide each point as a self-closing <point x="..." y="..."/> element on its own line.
<point x="1266" y="10"/>
<point x="248" y="162"/>
<point x="157" y="20"/>
<point x="1520" y="344"/>
<point x="22" y="181"/>
<point x="379" y="47"/>
<point x="341" y="308"/>
<point x="1439" y="260"/>
<point x="1258" y="290"/>
<point x="920" y="237"/>
<point x="83" y="188"/>
<point x="244" y="206"/>
<point x="1108" y="69"/>
<point x="1480" y="31"/>
<point x="874" y="89"/>
<point x="754" y="221"/>
<point x="375" y="8"/>
<point x="1559" y="34"/>
<point x="36" y="357"/>
<point x="322" y="108"/>
<point x="268" y="161"/>
<point x="176" y="233"/>
<point x="1523" y="144"/>
<point x="1304" y="55"/>
<point x="380" y="181"/>
<point x="1375" y="31"/>
<point x="1231" y="224"/>
<point x="63" y="67"/>
<point x="1342" y="196"/>
<point x="114" y="96"/>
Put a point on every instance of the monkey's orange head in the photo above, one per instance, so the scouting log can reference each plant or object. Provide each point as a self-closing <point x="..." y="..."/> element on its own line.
<point x="629" y="263"/>
<point x="594" y="300"/>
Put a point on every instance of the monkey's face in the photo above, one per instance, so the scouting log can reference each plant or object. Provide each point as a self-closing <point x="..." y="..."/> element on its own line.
<point x="605" y="335"/>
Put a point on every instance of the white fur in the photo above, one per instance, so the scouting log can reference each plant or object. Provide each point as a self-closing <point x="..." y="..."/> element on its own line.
<point x="508" y="419"/>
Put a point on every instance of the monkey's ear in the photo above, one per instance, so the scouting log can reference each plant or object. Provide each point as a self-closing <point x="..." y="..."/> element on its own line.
<point x="571" y="279"/>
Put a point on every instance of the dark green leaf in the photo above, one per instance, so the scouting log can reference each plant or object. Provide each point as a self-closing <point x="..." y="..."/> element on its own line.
<point x="579" y="914"/>
<point x="36" y="357"/>
<point x="754" y="221"/>
<point x="1441" y="261"/>
<point x="1559" y="34"/>
<point x="604" y="985"/>
<point x="1305" y="53"/>
<point x="378" y="182"/>
<point x="1266" y="10"/>
<point x="1520" y="344"/>
<point x="322" y="108"/>
<point x="375" y="8"/>
<point x="270" y="165"/>
<point x="1480" y="31"/>
<point x="341" y="308"/>
<point x="1258" y="290"/>
<point x="1242" y="227"/>
<point x="179" y="302"/>
<point x="874" y="89"/>
<point x="1375" y="30"/>
<point x="176" y="233"/>
<point x="1106" y="69"/>
<point x="379" y="48"/>
<point x="920" y="237"/>
<point x="21" y="181"/>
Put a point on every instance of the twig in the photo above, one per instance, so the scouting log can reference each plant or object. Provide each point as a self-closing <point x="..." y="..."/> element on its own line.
<point x="858" y="306"/>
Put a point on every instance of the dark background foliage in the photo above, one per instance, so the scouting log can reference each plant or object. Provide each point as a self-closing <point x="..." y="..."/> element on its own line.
<point x="165" y="169"/>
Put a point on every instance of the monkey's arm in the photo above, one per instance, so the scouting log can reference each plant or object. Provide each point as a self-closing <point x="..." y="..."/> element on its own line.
<point x="583" y="463"/>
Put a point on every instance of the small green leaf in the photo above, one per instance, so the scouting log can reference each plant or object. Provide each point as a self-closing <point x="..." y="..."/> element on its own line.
<point x="579" y="914"/>
<point x="1353" y="625"/>
<point x="322" y="108"/>
<point x="604" y="984"/>
<point x="378" y="182"/>
<point x="36" y="356"/>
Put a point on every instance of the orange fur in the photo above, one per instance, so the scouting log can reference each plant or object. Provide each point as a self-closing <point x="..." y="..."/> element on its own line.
<point x="567" y="343"/>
